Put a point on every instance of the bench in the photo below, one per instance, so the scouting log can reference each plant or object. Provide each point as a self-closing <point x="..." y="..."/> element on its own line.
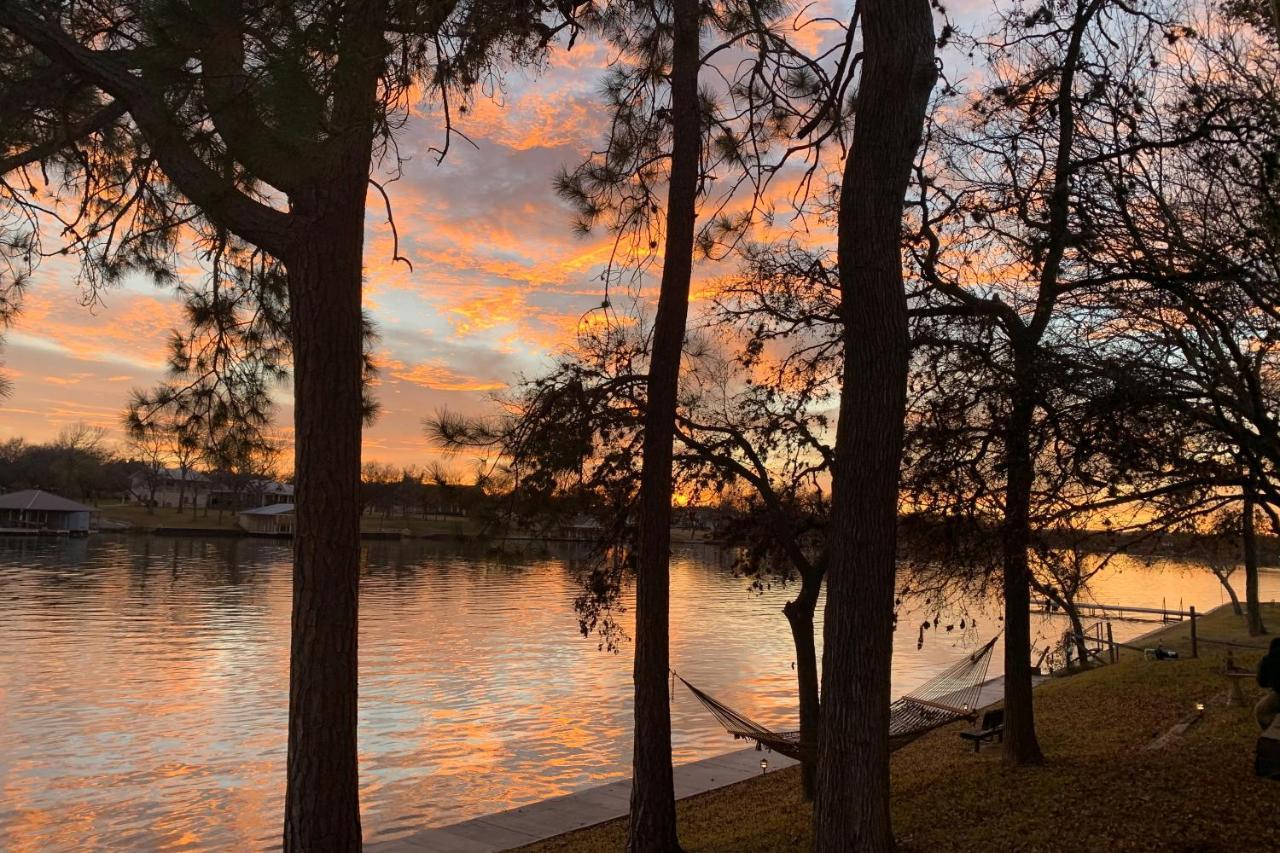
<point x="991" y="727"/>
<point x="1236" y="677"/>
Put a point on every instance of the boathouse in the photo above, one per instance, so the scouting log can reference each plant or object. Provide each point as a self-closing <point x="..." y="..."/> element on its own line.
<point x="34" y="511"/>
<point x="274" y="520"/>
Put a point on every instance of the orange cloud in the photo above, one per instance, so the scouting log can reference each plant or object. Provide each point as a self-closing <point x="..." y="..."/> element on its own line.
<point x="553" y="120"/>
<point x="128" y="326"/>
<point x="499" y="280"/>
<point x="487" y="312"/>
<point x="440" y="377"/>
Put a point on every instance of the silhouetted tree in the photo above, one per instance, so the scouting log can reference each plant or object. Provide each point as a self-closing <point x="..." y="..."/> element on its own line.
<point x="78" y="463"/>
<point x="1192" y="337"/>
<point x="149" y="448"/>
<point x="160" y="438"/>
<point x="1005" y="253"/>
<point x="378" y="486"/>
<point x="851" y="806"/>
<point x="250" y="129"/>
<point x="664" y="128"/>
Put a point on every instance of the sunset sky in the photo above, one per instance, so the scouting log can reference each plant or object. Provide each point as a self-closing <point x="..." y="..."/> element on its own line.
<point x="499" y="278"/>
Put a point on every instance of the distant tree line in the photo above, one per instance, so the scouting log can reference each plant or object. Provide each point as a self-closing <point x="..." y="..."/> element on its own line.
<point x="83" y="463"/>
<point x="391" y="491"/>
<point x="79" y="464"/>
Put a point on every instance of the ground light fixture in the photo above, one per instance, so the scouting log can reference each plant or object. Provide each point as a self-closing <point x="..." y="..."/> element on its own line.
<point x="764" y="766"/>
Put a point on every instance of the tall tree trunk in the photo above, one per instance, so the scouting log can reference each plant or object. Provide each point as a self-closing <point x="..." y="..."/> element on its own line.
<point x="799" y="612"/>
<point x="1020" y="743"/>
<point x="653" y="805"/>
<point x="322" y="795"/>
<point x="851" y="809"/>
<point x="1253" y="608"/>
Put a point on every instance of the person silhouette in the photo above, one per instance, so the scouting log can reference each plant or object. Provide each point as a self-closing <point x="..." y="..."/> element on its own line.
<point x="1266" y="760"/>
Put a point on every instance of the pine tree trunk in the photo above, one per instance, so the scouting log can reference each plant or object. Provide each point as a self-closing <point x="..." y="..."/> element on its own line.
<point x="799" y="613"/>
<point x="851" y="807"/>
<point x="653" y="806"/>
<point x="1253" y="608"/>
<point x="1020" y="743"/>
<point x="322" y="796"/>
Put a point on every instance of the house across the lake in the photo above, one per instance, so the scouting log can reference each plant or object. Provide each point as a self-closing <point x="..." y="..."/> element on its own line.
<point x="273" y="520"/>
<point x="34" y="511"/>
<point x="170" y="487"/>
<point x="253" y="494"/>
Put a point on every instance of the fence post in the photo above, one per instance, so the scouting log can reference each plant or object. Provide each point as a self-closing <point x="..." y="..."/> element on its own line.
<point x="1195" y="651"/>
<point x="1111" y="646"/>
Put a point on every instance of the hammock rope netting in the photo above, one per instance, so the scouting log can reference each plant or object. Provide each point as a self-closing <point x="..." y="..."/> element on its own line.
<point x="950" y="695"/>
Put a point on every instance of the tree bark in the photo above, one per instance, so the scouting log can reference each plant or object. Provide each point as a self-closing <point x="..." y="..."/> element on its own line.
<point x="653" y="806"/>
<point x="1020" y="743"/>
<point x="799" y="613"/>
<point x="324" y="274"/>
<point x="1253" y="608"/>
<point x="851" y="808"/>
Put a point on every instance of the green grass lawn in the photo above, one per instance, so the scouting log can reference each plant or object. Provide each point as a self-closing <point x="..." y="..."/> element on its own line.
<point x="1100" y="788"/>
<point x="418" y="526"/>
<point x="140" y="517"/>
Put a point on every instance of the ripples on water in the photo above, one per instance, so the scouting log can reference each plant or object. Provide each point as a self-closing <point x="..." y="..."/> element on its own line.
<point x="144" y="685"/>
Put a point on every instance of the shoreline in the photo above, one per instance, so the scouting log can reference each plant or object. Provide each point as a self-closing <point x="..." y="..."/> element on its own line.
<point x="1130" y="728"/>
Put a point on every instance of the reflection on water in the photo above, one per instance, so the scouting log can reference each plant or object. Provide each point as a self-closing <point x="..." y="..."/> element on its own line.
<point x="143" y="690"/>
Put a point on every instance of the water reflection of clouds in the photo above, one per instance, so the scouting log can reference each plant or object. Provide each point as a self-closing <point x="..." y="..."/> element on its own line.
<point x="143" y="699"/>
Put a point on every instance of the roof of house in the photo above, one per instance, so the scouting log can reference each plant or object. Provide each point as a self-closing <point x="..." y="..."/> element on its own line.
<point x="38" y="501"/>
<point x="266" y="487"/>
<point x="273" y="509"/>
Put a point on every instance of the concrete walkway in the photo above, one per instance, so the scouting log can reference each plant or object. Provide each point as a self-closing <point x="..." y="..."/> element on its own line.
<point x="549" y="818"/>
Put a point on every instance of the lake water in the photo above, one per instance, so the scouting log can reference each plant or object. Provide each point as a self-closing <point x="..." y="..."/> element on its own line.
<point x="143" y="685"/>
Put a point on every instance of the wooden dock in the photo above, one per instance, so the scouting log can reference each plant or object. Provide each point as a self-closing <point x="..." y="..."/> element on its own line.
<point x="1119" y="612"/>
<point x="41" y="532"/>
